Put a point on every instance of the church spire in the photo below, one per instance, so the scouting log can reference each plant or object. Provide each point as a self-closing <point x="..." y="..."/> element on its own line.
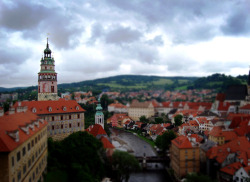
<point x="99" y="117"/>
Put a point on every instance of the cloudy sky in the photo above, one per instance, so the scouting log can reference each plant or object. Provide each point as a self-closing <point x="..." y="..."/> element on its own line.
<point x="100" y="38"/>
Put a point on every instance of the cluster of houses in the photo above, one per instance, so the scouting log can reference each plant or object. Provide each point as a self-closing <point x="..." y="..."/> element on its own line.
<point x="213" y="137"/>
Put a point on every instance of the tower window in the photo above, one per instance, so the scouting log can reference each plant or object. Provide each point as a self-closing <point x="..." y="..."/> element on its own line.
<point x="52" y="89"/>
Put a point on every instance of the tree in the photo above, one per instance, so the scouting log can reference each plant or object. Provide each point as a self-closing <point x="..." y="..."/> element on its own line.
<point x="143" y="119"/>
<point x="124" y="164"/>
<point x="178" y="120"/>
<point x="79" y="157"/>
<point x="164" y="141"/>
<point x="194" y="177"/>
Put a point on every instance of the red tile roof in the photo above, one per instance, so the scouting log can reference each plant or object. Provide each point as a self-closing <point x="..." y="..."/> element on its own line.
<point x="220" y="97"/>
<point x="223" y="106"/>
<point x="240" y="145"/>
<point x="182" y="142"/>
<point x="106" y="143"/>
<point x="96" y="130"/>
<point x="12" y="123"/>
<point x="60" y="106"/>
<point x="229" y="135"/>
<point x="216" y="131"/>
<point x="231" y="168"/>
<point x="247" y="107"/>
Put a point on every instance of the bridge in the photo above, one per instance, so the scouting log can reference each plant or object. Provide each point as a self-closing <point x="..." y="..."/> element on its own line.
<point x="151" y="159"/>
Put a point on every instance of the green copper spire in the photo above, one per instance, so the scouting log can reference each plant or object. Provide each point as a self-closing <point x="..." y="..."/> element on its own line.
<point x="99" y="108"/>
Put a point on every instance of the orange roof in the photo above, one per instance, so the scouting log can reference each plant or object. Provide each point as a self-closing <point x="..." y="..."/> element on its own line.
<point x="240" y="145"/>
<point x="223" y="106"/>
<point x="231" y="168"/>
<point x="59" y="106"/>
<point x="96" y="130"/>
<point x="246" y="107"/>
<point x="202" y="120"/>
<point x="229" y="135"/>
<point x="197" y="137"/>
<point x="182" y="142"/>
<point x="216" y="131"/>
<point x="117" y="105"/>
<point x="106" y="143"/>
<point x="220" y="97"/>
<point x="193" y="123"/>
<point x="14" y="122"/>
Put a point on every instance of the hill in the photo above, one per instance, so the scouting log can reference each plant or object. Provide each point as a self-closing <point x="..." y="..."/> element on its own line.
<point x="132" y="82"/>
<point x="139" y="82"/>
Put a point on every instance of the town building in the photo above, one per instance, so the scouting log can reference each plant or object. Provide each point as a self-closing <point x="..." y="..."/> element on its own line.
<point x="138" y="109"/>
<point x="23" y="147"/>
<point x="185" y="156"/>
<point x="64" y="117"/>
<point x="47" y="77"/>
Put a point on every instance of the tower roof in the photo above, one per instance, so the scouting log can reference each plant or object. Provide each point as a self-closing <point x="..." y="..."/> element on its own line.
<point x="47" y="50"/>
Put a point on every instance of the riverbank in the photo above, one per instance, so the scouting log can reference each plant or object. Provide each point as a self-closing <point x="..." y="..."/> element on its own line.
<point x="149" y="141"/>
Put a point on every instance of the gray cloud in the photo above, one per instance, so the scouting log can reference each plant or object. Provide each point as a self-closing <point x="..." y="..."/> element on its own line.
<point x="237" y="23"/>
<point x="122" y="35"/>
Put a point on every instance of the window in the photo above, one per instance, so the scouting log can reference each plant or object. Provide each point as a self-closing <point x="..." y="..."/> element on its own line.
<point x="78" y="115"/>
<point x="24" y="169"/>
<point x="78" y="124"/>
<point x="13" y="180"/>
<point x="24" y="151"/>
<point x="29" y="163"/>
<point x="69" y="116"/>
<point x="35" y="140"/>
<point x="61" y="126"/>
<point x="12" y="161"/>
<point x="38" y="137"/>
<point x="19" y="176"/>
<point x="32" y="158"/>
<point x="18" y="156"/>
<point x="52" y="118"/>
<point x="61" y="117"/>
<point x="53" y="127"/>
<point x="28" y="146"/>
<point x="33" y="176"/>
<point x="32" y="143"/>
<point x="36" y="170"/>
<point x="69" y="125"/>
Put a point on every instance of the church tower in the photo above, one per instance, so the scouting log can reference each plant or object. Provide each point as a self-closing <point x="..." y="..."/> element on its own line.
<point x="47" y="77"/>
<point x="99" y="117"/>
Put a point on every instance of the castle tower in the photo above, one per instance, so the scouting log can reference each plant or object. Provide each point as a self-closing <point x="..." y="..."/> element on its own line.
<point x="47" y="77"/>
<point x="99" y="117"/>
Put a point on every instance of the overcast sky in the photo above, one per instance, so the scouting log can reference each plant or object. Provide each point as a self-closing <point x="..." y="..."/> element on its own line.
<point x="99" y="38"/>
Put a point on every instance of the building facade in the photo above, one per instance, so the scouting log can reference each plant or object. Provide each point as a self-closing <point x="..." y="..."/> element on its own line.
<point x="138" y="109"/>
<point x="185" y="156"/>
<point x="64" y="117"/>
<point x="23" y="147"/>
<point x="47" y="77"/>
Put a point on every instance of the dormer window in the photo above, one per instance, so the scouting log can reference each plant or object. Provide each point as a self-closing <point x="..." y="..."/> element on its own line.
<point x="77" y="107"/>
<point x="36" y="123"/>
<point x="50" y="109"/>
<point x="34" y="110"/>
<point x="14" y="134"/>
<point x="64" y="108"/>
<point x="25" y="129"/>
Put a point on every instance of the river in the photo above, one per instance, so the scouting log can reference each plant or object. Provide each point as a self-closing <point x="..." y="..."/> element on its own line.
<point x="129" y="142"/>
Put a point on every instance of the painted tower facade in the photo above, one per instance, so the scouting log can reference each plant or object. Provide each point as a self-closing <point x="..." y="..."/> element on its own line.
<point x="47" y="77"/>
<point x="99" y="117"/>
